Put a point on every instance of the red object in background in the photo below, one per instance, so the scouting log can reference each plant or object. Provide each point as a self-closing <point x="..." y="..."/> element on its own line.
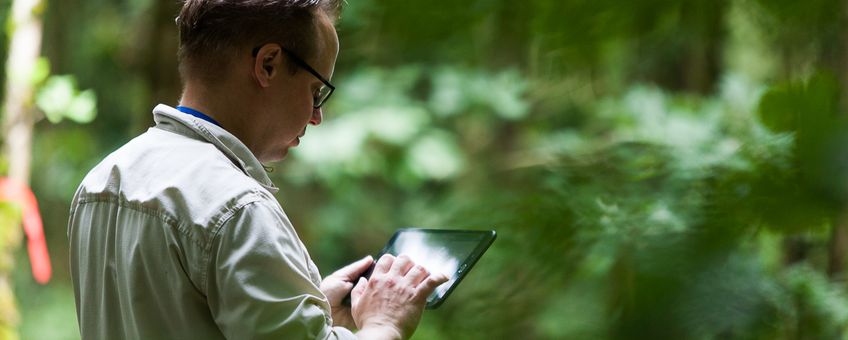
<point x="39" y="259"/>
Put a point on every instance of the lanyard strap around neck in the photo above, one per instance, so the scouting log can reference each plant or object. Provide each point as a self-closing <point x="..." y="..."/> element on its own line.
<point x="197" y="114"/>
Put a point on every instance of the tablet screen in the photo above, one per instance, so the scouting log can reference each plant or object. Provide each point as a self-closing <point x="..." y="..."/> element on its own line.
<point x="450" y="252"/>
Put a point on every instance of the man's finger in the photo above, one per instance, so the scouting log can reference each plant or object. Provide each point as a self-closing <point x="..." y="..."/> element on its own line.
<point x="416" y="275"/>
<point x="384" y="263"/>
<point x="430" y="283"/>
<point x="401" y="266"/>
<point x="354" y="270"/>
<point x="357" y="291"/>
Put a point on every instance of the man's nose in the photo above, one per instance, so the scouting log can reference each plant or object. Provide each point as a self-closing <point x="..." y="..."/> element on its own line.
<point x="317" y="116"/>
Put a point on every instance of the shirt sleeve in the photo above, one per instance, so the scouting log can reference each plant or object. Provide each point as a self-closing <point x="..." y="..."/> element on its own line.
<point x="258" y="280"/>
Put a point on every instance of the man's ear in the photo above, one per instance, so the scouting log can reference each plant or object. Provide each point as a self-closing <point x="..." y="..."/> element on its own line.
<point x="267" y="64"/>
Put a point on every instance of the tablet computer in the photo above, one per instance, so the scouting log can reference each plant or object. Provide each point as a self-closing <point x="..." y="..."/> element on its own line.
<point x="451" y="252"/>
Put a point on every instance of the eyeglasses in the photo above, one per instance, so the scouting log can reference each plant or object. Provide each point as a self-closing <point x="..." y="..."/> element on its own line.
<point x="323" y="93"/>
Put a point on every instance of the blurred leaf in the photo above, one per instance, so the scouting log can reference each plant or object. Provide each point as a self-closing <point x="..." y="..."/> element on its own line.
<point x="59" y="98"/>
<point x="809" y="110"/>
<point x="435" y="156"/>
<point x="396" y="124"/>
<point x="41" y="71"/>
<point x="56" y="96"/>
<point x="505" y="94"/>
<point x="820" y="308"/>
<point x="83" y="108"/>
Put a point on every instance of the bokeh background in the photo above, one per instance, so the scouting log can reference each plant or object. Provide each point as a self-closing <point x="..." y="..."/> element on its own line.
<point x="658" y="169"/>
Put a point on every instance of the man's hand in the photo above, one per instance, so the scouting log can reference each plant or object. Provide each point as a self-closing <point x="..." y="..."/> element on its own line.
<point x="390" y="303"/>
<point x="338" y="285"/>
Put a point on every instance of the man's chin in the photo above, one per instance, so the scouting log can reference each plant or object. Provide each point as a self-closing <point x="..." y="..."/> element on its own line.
<point x="275" y="157"/>
<point x="283" y="154"/>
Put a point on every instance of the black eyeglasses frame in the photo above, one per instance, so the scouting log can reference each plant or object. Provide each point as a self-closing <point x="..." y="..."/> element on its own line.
<point x="309" y="69"/>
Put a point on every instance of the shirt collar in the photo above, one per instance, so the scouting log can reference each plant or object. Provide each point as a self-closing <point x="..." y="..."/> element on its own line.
<point x="170" y="119"/>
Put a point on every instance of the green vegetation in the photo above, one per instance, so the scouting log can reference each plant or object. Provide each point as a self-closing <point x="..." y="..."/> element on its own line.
<point x="660" y="169"/>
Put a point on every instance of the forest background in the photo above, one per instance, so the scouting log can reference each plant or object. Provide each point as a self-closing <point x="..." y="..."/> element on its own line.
<point x="659" y="169"/>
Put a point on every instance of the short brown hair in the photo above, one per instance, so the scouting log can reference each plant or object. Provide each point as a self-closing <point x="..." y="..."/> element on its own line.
<point x="213" y="32"/>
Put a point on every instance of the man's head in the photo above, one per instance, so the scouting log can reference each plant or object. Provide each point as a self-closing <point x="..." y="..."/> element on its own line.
<point x="258" y="65"/>
<point x="214" y="32"/>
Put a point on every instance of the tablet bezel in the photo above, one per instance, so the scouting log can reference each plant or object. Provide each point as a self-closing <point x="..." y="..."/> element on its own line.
<point x="487" y="238"/>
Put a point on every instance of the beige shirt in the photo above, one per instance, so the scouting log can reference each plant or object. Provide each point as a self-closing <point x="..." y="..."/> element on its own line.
<point x="177" y="235"/>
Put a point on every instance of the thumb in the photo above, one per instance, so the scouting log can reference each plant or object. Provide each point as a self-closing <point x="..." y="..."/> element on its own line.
<point x="357" y="291"/>
<point x="353" y="270"/>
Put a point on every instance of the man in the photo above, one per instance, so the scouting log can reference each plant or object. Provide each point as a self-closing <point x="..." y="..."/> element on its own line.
<point x="176" y="235"/>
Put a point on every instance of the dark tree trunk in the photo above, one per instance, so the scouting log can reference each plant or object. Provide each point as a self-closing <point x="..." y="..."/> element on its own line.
<point x="838" y="248"/>
<point x="159" y="66"/>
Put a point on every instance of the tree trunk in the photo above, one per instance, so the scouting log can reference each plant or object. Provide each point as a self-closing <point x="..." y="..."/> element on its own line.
<point x="796" y="249"/>
<point x="838" y="252"/>
<point x="842" y="61"/>
<point x="838" y="248"/>
<point x="700" y="71"/>
<point x="159" y="64"/>
<point x="24" y="48"/>
<point x="18" y="120"/>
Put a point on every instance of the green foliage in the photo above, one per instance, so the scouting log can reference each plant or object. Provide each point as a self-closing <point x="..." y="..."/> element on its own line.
<point x="401" y="112"/>
<point x="10" y="233"/>
<point x="10" y="240"/>
<point x="59" y="98"/>
<point x="41" y="71"/>
<point x="654" y="169"/>
<point x="655" y="207"/>
<point x="819" y="305"/>
<point x="809" y="110"/>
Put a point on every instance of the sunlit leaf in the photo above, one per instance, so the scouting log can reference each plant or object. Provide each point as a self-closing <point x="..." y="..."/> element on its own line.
<point x="83" y="108"/>
<point x="396" y="125"/>
<point x="435" y="156"/>
<point x="41" y="71"/>
<point x="56" y="96"/>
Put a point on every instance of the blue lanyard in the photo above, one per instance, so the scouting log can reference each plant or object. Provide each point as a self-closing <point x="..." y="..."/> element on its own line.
<point x="197" y="114"/>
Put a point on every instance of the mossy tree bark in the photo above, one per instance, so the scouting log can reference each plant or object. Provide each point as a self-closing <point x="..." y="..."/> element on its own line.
<point x="18" y="120"/>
